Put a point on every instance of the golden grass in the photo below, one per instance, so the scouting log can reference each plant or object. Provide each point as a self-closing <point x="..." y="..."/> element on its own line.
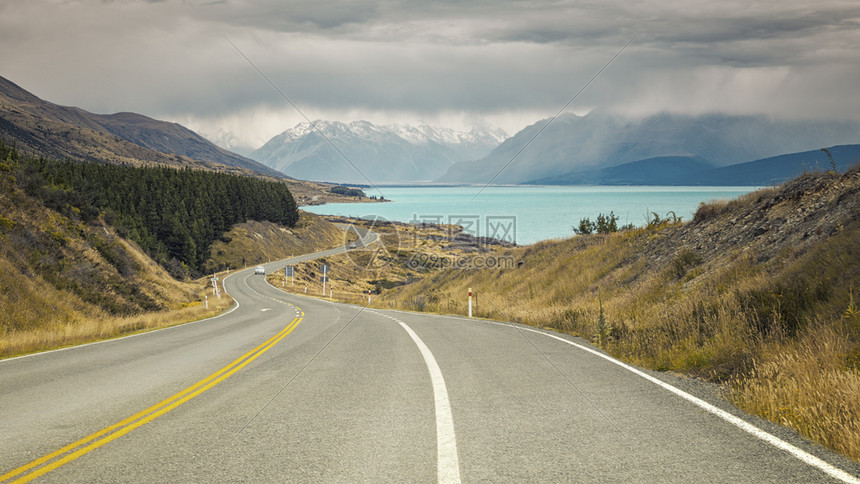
<point x="252" y="242"/>
<point x="806" y="386"/>
<point x="73" y="327"/>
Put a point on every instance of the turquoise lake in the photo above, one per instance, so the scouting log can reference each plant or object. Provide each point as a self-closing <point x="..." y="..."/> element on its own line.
<point x="527" y="214"/>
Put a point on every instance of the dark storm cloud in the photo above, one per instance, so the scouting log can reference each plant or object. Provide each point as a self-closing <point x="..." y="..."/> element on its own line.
<point x="487" y="58"/>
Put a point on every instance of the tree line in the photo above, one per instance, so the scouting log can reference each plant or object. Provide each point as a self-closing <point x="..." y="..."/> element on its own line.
<point x="174" y="214"/>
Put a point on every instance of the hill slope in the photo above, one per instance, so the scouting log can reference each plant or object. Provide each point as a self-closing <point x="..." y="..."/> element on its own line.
<point x="254" y="242"/>
<point x="55" y="131"/>
<point x="679" y="170"/>
<point x="65" y="281"/>
<point x="68" y="276"/>
<point x="778" y="169"/>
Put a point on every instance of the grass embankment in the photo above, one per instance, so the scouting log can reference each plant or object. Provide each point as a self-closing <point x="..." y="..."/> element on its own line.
<point x="759" y="294"/>
<point x="252" y="242"/>
<point x="66" y="282"/>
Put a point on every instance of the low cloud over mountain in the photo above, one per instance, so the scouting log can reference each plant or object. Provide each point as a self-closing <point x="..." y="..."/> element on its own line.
<point x="573" y="144"/>
<point x="362" y="152"/>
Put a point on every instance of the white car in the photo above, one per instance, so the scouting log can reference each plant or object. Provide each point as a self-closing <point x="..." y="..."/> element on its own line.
<point x="352" y="245"/>
<point x="260" y="270"/>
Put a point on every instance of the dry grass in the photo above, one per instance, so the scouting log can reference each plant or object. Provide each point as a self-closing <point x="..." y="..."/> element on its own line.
<point x="378" y="267"/>
<point x="63" y="282"/>
<point x="76" y="328"/>
<point x="252" y="242"/>
<point x="807" y="386"/>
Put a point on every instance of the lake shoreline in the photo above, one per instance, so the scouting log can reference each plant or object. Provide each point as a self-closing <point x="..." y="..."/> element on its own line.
<point x="527" y="214"/>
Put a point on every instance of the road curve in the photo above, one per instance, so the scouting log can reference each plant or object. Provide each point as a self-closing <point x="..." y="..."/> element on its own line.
<point x="287" y="388"/>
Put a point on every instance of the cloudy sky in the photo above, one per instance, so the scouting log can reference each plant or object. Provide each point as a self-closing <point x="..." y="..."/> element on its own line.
<point x="444" y="63"/>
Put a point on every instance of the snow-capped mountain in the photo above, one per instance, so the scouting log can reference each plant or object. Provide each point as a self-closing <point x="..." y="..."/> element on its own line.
<point x="380" y="154"/>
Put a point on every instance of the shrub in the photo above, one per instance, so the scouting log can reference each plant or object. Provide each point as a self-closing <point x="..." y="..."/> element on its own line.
<point x="585" y="227"/>
<point x="683" y="262"/>
<point x="605" y="224"/>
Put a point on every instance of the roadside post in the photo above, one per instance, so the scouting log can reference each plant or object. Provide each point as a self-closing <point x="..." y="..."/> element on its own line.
<point x="206" y="301"/>
<point x="324" y="278"/>
<point x="470" y="302"/>
<point x="368" y="296"/>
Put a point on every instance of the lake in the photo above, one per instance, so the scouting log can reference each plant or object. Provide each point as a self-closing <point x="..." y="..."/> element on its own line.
<point x="527" y="214"/>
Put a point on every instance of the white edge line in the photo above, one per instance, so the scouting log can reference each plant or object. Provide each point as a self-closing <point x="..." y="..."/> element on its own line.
<point x="40" y="353"/>
<point x="448" y="465"/>
<point x="738" y="422"/>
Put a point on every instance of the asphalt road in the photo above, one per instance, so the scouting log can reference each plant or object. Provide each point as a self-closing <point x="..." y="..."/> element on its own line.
<point x="295" y="389"/>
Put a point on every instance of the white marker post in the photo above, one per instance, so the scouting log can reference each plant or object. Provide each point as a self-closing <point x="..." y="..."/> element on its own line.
<point x="206" y="300"/>
<point x="470" y="302"/>
<point x="368" y="296"/>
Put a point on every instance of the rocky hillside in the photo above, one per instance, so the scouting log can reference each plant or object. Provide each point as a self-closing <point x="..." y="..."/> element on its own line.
<point x="795" y="217"/>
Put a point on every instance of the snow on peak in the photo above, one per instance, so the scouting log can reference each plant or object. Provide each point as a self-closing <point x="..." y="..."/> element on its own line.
<point x="415" y="135"/>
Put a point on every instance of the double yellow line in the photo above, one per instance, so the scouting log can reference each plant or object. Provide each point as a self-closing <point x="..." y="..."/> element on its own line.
<point x="88" y="444"/>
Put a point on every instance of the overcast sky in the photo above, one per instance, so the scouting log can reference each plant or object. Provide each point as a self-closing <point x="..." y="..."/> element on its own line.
<point x="444" y="63"/>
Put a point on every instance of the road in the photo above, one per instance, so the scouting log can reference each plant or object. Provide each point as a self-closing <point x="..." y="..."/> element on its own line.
<point x="294" y="389"/>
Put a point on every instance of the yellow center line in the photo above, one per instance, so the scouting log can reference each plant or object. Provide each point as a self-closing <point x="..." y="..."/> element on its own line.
<point x="127" y="425"/>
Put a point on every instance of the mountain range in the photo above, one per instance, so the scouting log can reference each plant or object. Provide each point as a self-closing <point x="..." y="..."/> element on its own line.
<point x="366" y="151"/>
<point x="692" y="171"/>
<point x="609" y="149"/>
<point x="55" y="131"/>
<point x="597" y="148"/>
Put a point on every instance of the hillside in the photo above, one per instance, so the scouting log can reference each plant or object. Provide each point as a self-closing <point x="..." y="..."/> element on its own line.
<point x="65" y="281"/>
<point x="689" y="171"/>
<point x="574" y="144"/>
<point x="252" y="242"/>
<point x="382" y="153"/>
<point x="778" y="169"/>
<point x="41" y="128"/>
<point x="55" y="131"/>
<point x="68" y="276"/>
<point x="173" y="214"/>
